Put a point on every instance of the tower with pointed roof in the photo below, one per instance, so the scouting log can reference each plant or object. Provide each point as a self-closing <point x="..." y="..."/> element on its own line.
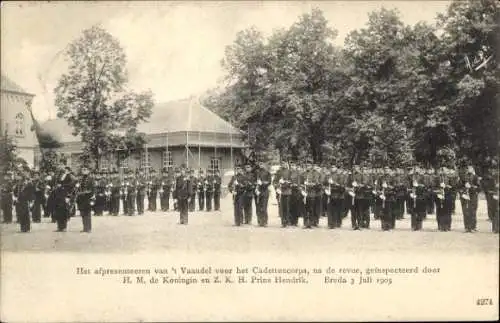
<point x="15" y="118"/>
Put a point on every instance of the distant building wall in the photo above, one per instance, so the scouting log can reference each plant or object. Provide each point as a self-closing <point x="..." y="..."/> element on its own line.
<point x="16" y="121"/>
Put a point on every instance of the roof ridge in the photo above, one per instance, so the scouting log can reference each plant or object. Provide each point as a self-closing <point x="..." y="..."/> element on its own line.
<point x="8" y="85"/>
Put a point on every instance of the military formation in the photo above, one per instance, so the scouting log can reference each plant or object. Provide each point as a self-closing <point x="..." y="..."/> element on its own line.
<point x="59" y="194"/>
<point x="311" y="192"/>
<point x="305" y="191"/>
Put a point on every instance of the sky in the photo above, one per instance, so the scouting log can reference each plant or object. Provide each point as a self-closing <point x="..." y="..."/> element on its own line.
<point x="173" y="48"/>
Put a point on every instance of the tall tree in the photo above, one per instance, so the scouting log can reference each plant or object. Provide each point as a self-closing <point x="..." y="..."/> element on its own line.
<point x="93" y="96"/>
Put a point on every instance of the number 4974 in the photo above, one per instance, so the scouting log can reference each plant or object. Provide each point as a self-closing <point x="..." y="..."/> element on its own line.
<point x="484" y="301"/>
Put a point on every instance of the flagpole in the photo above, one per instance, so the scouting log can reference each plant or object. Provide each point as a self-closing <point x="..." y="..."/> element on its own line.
<point x="199" y="149"/>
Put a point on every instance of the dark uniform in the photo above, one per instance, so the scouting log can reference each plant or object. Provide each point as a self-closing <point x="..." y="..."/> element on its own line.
<point x="194" y="182"/>
<point x="262" y="191"/>
<point x="51" y="188"/>
<point x="84" y="200"/>
<point x="63" y="194"/>
<point x="115" y="187"/>
<point x="24" y="194"/>
<point x="183" y="192"/>
<point x="209" y="191"/>
<point x="336" y="191"/>
<point x="237" y="188"/>
<point x="469" y="189"/>
<point x="490" y="187"/>
<point x="297" y="205"/>
<point x="100" y="195"/>
<point x="443" y="216"/>
<point x="249" y="185"/>
<point x="7" y="190"/>
<point x="131" y="194"/>
<point x="141" y="184"/>
<point x="201" y="188"/>
<point x="36" y="211"/>
<point x="388" y="193"/>
<point x="167" y="181"/>
<point x="124" y="193"/>
<point x="418" y="198"/>
<point x="217" y="190"/>
<point x="285" y="193"/>
<point x="154" y="186"/>
<point x="313" y="198"/>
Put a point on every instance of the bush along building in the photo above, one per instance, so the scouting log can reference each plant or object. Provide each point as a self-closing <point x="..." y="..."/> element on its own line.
<point x="182" y="132"/>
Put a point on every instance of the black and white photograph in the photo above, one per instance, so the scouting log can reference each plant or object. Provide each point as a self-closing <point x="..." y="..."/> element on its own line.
<point x="249" y="161"/>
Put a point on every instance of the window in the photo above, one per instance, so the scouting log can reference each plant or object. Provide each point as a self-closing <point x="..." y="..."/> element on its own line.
<point x="36" y="161"/>
<point x="104" y="163"/>
<point x="124" y="160"/>
<point x="20" y="125"/>
<point x="215" y="163"/>
<point x="145" y="160"/>
<point x="166" y="159"/>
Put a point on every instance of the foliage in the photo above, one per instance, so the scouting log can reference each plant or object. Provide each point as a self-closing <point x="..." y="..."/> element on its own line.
<point x="92" y="96"/>
<point x="393" y="95"/>
<point x="8" y="154"/>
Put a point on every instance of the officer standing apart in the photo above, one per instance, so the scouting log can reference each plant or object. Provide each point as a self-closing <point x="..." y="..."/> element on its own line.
<point x="85" y="198"/>
<point x="182" y="194"/>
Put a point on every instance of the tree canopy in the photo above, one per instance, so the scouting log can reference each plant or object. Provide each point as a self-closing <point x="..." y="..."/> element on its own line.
<point x="394" y="94"/>
<point x="94" y="99"/>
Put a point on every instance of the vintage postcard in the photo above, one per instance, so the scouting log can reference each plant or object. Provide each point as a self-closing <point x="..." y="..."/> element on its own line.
<point x="249" y="161"/>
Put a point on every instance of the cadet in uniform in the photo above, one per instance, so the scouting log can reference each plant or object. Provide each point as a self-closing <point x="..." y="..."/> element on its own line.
<point x="262" y="191"/>
<point x="141" y="184"/>
<point x="418" y="197"/>
<point x="183" y="193"/>
<point x="7" y="197"/>
<point x="85" y="198"/>
<point x="39" y="185"/>
<point x="439" y="186"/>
<point x="431" y="202"/>
<point x="115" y="186"/>
<point x="469" y="188"/>
<point x="249" y="185"/>
<point x="336" y="187"/>
<point x="194" y="183"/>
<point x="401" y="193"/>
<point x="209" y="190"/>
<point x="237" y="189"/>
<point x="490" y="187"/>
<point x="217" y="190"/>
<point x="51" y="187"/>
<point x="389" y="196"/>
<point x="100" y="194"/>
<point x="166" y="187"/>
<point x="201" y="187"/>
<point x="62" y="198"/>
<point x="24" y="195"/>
<point x="284" y="190"/>
<point x="124" y="192"/>
<point x="296" y="199"/>
<point x="131" y="193"/>
<point x="155" y="183"/>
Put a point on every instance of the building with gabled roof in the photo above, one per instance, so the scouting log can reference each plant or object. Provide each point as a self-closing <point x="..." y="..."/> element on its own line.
<point x="15" y="118"/>
<point x="178" y="132"/>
